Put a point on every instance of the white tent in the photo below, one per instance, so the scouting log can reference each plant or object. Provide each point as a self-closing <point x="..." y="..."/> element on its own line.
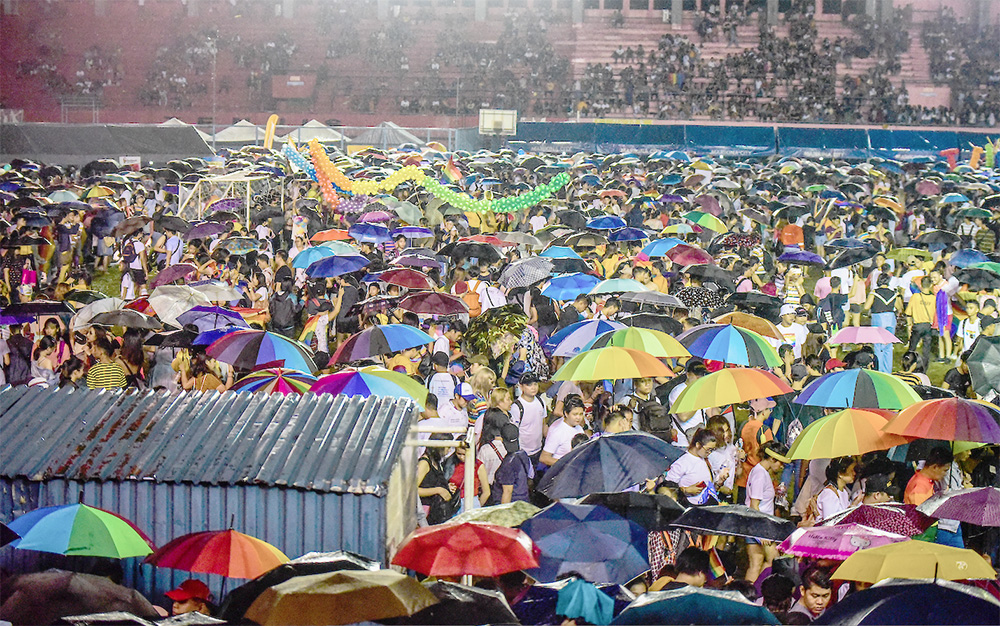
<point x="386" y="135"/>
<point x="176" y="122"/>
<point x="242" y="132"/>
<point x="317" y="130"/>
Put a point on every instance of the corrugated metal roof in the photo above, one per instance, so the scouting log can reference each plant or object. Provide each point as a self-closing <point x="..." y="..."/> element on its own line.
<point x="320" y="442"/>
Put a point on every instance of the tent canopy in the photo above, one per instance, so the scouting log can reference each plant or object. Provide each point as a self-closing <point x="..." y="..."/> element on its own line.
<point x="174" y="122"/>
<point x="242" y="131"/>
<point x="386" y="135"/>
<point x="77" y="144"/>
<point x="314" y="129"/>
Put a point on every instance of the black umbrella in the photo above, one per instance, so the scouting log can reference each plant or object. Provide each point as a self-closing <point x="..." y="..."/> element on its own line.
<point x="939" y="236"/>
<point x="753" y="299"/>
<point x="240" y="599"/>
<point x="459" y="604"/>
<point x="100" y="166"/>
<point x="735" y="519"/>
<point x="45" y="597"/>
<point x="485" y="252"/>
<point x="711" y="273"/>
<point x="571" y="218"/>
<point x="991" y="202"/>
<point x="984" y="365"/>
<point x="927" y="392"/>
<point x="582" y="240"/>
<point x="174" y="223"/>
<point x="978" y="278"/>
<point x="653" y="321"/>
<point x="608" y="463"/>
<point x="914" y="602"/>
<point x="851" y="256"/>
<point x="568" y="266"/>
<point x="266" y="214"/>
<point x="131" y="225"/>
<point x="38" y="307"/>
<point x="34" y="220"/>
<point x="126" y="318"/>
<point x="182" y="338"/>
<point x="654" y="512"/>
<point x="222" y="216"/>
<point x="7" y="535"/>
<point x="84" y="296"/>
<point x="24" y="240"/>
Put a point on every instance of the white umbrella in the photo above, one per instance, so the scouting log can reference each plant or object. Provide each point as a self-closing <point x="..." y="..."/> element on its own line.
<point x="217" y="291"/>
<point x="87" y="312"/>
<point x="169" y="301"/>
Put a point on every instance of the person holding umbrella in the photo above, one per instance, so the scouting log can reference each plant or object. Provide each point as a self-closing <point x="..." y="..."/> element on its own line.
<point x="760" y="497"/>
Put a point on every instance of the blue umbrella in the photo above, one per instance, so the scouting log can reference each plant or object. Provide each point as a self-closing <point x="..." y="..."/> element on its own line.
<point x="569" y="286"/>
<point x="211" y="317"/>
<point x="830" y="193"/>
<point x="538" y="606"/>
<point x="848" y="242"/>
<point x="371" y="233"/>
<point x="628" y="234"/>
<point x="954" y="198"/>
<point x="606" y="222"/>
<point x="580" y="599"/>
<point x="572" y="339"/>
<point x="560" y="252"/>
<point x="801" y="257"/>
<point x="659" y="247"/>
<point x="965" y="258"/>
<point x="208" y="337"/>
<point x="914" y="602"/>
<point x="599" y="545"/>
<point x="336" y="266"/>
<point x="310" y="255"/>
<point x="609" y="463"/>
<point x="694" y="605"/>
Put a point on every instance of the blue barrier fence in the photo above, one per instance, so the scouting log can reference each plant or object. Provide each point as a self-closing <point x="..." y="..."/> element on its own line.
<point x="749" y="140"/>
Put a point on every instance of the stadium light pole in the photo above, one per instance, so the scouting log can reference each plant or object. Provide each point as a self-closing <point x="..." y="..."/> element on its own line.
<point x="214" y="51"/>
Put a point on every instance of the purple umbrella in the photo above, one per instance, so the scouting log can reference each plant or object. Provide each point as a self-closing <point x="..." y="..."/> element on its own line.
<point x="375" y="216"/>
<point x="670" y="197"/>
<point x="411" y="232"/>
<point x="226" y="204"/>
<point x="336" y="266"/>
<point x="172" y="273"/>
<point x="800" y="257"/>
<point x="710" y="204"/>
<point x="418" y="261"/>
<point x="207" y="318"/>
<point x="975" y="506"/>
<point x="354" y="205"/>
<point x="205" y="229"/>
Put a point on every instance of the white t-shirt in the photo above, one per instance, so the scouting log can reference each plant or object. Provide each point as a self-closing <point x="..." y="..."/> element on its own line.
<point x="760" y="487"/>
<point x="689" y="470"/>
<point x="491" y="455"/>
<point x="698" y="419"/>
<point x="721" y="459"/>
<point x="441" y="344"/>
<point x="559" y="441"/>
<point x="830" y="501"/>
<point x="795" y="334"/>
<point x="442" y="385"/>
<point x="175" y="249"/>
<point x="139" y="247"/>
<point x="451" y="415"/>
<point x="530" y="424"/>
<point x="537" y="222"/>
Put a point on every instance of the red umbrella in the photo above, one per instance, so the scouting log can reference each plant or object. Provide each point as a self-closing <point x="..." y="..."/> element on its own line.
<point x="490" y="239"/>
<point x="226" y="553"/>
<point x="683" y="254"/>
<point x="334" y="234"/>
<point x="472" y="548"/>
<point x="434" y="303"/>
<point x="141" y="305"/>
<point x="406" y="277"/>
<point x="902" y="519"/>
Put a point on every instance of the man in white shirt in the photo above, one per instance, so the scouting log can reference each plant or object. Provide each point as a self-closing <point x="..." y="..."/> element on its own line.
<point x="794" y="333"/>
<point x="528" y="414"/>
<point x="537" y="221"/>
<point x="441" y="383"/>
<point x="451" y="336"/>
<point x="913" y="271"/>
<point x="452" y="413"/>
<point x="690" y="421"/>
<point x="559" y="440"/>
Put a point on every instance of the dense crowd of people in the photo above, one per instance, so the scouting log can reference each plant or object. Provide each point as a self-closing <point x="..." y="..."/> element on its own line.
<point x="810" y="249"/>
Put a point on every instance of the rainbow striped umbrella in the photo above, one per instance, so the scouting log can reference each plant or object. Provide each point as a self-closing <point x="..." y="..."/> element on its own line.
<point x="729" y="386"/>
<point x="654" y="342"/>
<point x="859" y="389"/>
<point x="730" y="344"/>
<point x="246" y="349"/>
<point x="371" y="381"/>
<point x="275" y="380"/>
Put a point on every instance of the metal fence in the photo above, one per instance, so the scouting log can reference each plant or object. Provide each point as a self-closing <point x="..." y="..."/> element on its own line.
<point x="382" y="137"/>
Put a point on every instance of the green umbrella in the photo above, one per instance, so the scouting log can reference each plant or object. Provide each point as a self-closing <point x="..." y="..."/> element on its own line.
<point x="509" y="515"/>
<point x="900" y="254"/>
<point x="992" y="266"/>
<point x="407" y="211"/>
<point x="815" y="188"/>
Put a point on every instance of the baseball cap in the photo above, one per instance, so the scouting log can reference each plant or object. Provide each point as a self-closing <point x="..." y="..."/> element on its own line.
<point x="464" y="391"/>
<point x="189" y="589"/>
<point x="479" y="359"/>
<point x="528" y="378"/>
<point x="832" y="363"/>
<point x="801" y="311"/>
<point x="439" y="358"/>
<point x="787" y="309"/>
<point x="799" y="371"/>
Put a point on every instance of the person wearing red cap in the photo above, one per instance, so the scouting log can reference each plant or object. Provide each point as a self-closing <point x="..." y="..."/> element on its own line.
<point x="192" y="596"/>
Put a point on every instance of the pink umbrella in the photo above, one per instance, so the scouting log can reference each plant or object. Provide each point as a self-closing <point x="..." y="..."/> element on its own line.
<point x="928" y="188"/>
<point x="836" y="542"/>
<point x="375" y="216"/>
<point x="710" y="204"/>
<point x="864" y="334"/>
<point x="684" y="254"/>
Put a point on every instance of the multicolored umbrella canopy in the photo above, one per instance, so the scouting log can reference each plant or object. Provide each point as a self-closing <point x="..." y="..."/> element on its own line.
<point x="836" y="542"/>
<point x="611" y="363"/>
<point x="371" y="381"/>
<point x="226" y="553"/>
<point x="706" y="220"/>
<point x="859" y="389"/>
<point x="949" y="419"/>
<point x="915" y="559"/>
<point x="863" y="334"/>
<point x="275" y="380"/>
<point x="979" y="506"/>
<point x="378" y="340"/>
<point x="654" y="342"/>
<point x="592" y="541"/>
<point x="312" y="254"/>
<point x="469" y="548"/>
<point x="731" y="385"/>
<point x="731" y="345"/>
<point x="573" y="339"/>
<point x="569" y="286"/>
<point x="850" y="432"/>
<point x="246" y="349"/>
<point x="80" y="530"/>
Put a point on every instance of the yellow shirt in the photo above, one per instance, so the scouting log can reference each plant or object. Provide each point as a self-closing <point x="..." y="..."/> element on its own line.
<point x="922" y="308"/>
<point x="401" y="361"/>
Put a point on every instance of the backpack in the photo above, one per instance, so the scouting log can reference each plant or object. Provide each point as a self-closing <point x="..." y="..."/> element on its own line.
<point x="128" y="253"/>
<point x="282" y="311"/>
<point x="473" y="299"/>
<point x="546" y="309"/>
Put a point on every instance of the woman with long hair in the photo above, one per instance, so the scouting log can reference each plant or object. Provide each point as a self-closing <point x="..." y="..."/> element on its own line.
<point x="42" y="363"/>
<point x="435" y="492"/>
<point x="132" y="358"/>
<point x="198" y="376"/>
<point x="71" y="373"/>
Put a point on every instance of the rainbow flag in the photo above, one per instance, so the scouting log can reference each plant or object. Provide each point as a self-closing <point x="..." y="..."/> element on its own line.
<point x="451" y="171"/>
<point x="309" y="330"/>
<point x="716" y="568"/>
